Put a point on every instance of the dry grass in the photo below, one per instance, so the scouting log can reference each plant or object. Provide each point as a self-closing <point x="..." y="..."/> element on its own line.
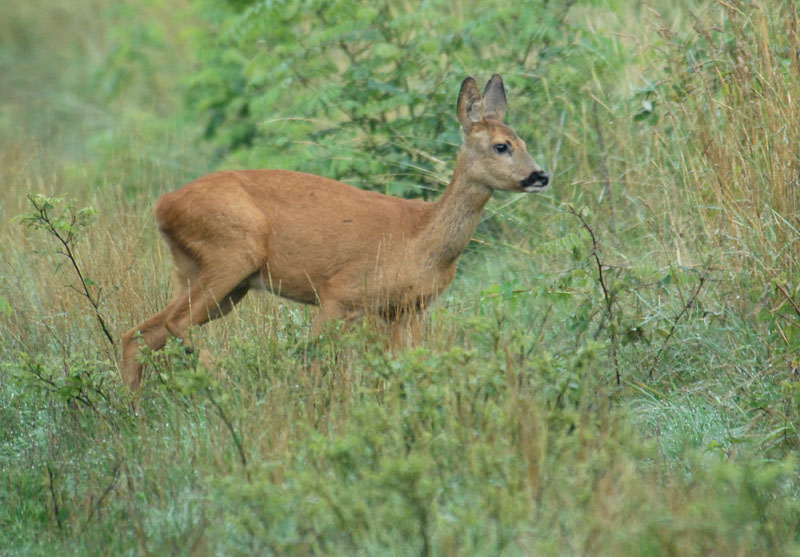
<point x="734" y="102"/>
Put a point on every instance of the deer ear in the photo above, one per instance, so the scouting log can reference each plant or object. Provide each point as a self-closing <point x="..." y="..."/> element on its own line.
<point x="494" y="95"/>
<point x="470" y="104"/>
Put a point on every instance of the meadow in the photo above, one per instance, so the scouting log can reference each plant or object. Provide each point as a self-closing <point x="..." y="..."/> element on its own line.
<point x="614" y="370"/>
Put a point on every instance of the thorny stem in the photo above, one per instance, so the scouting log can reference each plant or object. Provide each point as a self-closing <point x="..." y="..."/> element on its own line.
<point x="607" y="296"/>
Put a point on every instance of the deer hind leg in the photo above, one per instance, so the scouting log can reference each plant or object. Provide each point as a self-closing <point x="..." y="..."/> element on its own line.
<point x="206" y="299"/>
<point x="154" y="335"/>
<point x="203" y="296"/>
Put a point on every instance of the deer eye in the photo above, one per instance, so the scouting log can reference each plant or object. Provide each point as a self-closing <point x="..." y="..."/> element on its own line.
<point x="501" y="148"/>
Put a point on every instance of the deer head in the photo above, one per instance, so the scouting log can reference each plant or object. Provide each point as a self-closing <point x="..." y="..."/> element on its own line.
<point x="497" y="157"/>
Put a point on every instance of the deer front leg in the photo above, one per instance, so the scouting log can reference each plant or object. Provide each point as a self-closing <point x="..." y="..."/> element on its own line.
<point x="405" y="330"/>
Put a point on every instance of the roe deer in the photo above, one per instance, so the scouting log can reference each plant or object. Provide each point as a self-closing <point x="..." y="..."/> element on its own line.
<point x="318" y="241"/>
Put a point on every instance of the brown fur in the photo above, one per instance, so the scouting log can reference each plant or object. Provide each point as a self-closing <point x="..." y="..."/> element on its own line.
<point x="318" y="241"/>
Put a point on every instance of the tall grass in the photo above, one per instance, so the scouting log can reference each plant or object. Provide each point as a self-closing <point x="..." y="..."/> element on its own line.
<point x="732" y="97"/>
<point x="506" y="432"/>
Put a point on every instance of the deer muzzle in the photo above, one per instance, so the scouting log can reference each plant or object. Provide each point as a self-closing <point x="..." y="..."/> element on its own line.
<point x="537" y="180"/>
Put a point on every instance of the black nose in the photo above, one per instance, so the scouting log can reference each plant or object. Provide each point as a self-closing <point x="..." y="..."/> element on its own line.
<point x="537" y="178"/>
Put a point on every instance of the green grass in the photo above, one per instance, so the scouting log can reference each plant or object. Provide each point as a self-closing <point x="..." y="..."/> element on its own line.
<point x="506" y="432"/>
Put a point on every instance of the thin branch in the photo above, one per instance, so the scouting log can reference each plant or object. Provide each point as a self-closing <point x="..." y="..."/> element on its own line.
<point x="786" y="295"/>
<point x="94" y="303"/>
<point x="66" y="242"/>
<point x="229" y="425"/>
<point x="607" y="296"/>
<point x="56" y="511"/>
<point x="108" y="489"/>
<point x="687" y="306"/>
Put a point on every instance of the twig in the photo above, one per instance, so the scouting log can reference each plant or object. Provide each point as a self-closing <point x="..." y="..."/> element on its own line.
<point x="607" y="296"/>
<point x="108" y="489"/>
<point x="56" y="511"/>
<point x="687" y="306"/>
<point x="229" y="425"/>
<point x="95" y="305"/>
<point x="786" y="295"/>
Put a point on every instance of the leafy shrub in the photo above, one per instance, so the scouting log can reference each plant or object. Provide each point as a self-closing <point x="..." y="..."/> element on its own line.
<point x="365" y="91"/>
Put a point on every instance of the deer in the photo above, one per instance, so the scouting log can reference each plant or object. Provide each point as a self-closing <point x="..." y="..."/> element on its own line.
<point x="321" y="242"/>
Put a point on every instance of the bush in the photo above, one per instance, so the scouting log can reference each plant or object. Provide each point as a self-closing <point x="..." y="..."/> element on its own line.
<point x="365" y="92"/>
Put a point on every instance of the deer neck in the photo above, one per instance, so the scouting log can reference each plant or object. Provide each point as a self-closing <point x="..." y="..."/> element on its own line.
<point x="455" y="217"/>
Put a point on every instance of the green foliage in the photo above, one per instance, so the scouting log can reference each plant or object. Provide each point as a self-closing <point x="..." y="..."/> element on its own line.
<point x="365" y="91"/>
<point x="75" y="381"/>
<point x="409" y="460"/>
<point x="66" y="225"/>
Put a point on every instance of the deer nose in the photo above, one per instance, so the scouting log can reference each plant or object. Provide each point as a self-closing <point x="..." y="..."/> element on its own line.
<point x="536" y="179"/>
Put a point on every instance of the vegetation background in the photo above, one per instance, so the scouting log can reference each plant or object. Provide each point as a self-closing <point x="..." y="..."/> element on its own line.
<point x="614" y="370"/>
